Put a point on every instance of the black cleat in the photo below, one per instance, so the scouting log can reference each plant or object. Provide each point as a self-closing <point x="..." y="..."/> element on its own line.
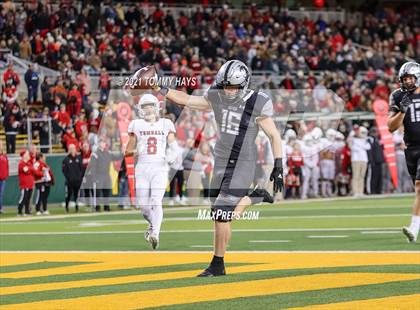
<point x="409" y="235"/>
<point x="211" y="273"/>
<point x="260" y="195"/>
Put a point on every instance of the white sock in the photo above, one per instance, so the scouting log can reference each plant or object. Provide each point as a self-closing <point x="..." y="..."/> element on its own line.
<point x="156" y="218"/>
<point x="415" y="224"/>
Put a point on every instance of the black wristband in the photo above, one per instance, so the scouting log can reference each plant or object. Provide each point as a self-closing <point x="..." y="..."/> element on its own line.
<point x="278" y="163"/>
<point x="164" y="91"/>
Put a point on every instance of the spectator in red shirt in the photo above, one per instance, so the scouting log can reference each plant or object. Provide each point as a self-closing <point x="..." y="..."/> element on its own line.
<point x="183" y="20"/>
<point x="104" y="86"/>
<point x="158" y="15"/>
<point x="4" y="172"/>
<point x="74" y="101"/>
<point x="10" y="76"/>
<point x="86" y="152"/>
<point x="381" y="90"/>
<point x="287" y="82"/>
<point x="62" y="117"/>
<point x="10" y="93"/>
<point x="43" y="181"/>
<point x="294" y="177"/>
<point x="94" y="120"/>
<point x="80" y="125"/>
<point x="343" y="178"/>
<point x="26" y="174"/>
<point x="69" y="138"/>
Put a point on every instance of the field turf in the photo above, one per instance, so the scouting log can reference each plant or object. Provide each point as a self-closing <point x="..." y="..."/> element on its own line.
<point x="336" y="254"/>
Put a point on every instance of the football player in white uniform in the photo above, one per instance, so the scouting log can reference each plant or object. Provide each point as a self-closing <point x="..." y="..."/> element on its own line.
<point x="327" y="162"/>
<point x="310" y="171"/>
<point x="152" y="141"/>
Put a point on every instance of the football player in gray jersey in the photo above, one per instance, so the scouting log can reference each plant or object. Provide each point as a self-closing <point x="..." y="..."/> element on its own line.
<point x="239" y="112"/>
<point x="404" y="111"/>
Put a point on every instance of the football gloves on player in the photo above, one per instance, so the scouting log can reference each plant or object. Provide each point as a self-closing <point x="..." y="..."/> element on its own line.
<point x="277" y="175"/>
<point x="405" y="103"/>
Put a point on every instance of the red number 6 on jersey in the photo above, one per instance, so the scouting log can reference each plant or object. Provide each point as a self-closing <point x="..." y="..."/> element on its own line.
<point x="151" y="145"/>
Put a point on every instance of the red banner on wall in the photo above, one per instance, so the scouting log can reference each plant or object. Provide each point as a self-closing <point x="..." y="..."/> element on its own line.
<point x="380" y="107"/>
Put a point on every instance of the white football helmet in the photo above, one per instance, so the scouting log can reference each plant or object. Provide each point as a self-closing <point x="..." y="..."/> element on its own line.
<point x="290" y="134"/>
<point x="331" y="134"/>
<point x="147" y="100"/>
<point x="316" y="134"/>
<point x="233" y="73"/>
<point x="363" y="132"/>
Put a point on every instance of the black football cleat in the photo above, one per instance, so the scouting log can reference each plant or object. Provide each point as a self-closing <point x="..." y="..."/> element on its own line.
<point x="211" y="273"/>
<point x="260" y="195"/>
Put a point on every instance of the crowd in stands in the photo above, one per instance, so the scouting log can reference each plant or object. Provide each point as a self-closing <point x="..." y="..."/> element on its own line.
<point x="358" y="62"/>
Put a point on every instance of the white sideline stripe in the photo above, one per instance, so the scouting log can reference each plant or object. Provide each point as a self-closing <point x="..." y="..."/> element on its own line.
<point x="201" y="252"/>
<point x="269" y="241"/>
<point x="190" y="231"/>
<point x="176" y="219"/>
<point x="380" y="232"/>
<point x="333" y="236"/>
<point x="175" y="209"/>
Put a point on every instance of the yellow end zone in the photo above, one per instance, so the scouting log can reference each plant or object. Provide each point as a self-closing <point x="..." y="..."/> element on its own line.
<point x="101" y="261"/>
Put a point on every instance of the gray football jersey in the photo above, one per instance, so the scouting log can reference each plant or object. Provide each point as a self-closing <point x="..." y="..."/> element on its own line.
<point x="238" y="119"/>
<point x="412" y="117"/>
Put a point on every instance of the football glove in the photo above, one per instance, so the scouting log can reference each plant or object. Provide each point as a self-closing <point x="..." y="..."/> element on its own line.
<point x="277" y="175"/>
<point x="405" y="103"/>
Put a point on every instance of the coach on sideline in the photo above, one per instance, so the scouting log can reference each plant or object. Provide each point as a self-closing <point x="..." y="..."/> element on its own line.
<point x="73" y="172"/>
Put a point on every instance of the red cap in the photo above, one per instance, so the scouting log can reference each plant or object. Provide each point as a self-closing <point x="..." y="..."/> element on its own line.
<point x="23" y="152"/>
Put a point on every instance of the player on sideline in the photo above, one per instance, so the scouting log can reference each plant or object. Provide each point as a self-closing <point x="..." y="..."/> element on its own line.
<point x="149" y="137"/>
<point x="405" y="110"/>
<point x="239" y="113"/>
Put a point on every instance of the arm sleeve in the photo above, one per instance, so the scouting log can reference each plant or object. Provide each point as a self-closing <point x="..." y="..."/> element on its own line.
<point x="267" y="109"/>
<point x="169" y="126"/>
<point x="206" y="94"/>
<point x="64" y="168"/>
<point x="51" y="175"/>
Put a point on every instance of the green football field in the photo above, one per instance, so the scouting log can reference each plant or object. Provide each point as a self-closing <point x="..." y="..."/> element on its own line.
<point x="335" y="254"/>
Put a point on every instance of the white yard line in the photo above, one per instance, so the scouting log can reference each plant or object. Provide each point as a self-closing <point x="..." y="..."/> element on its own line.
<point x="326" y="237"/>
<point x="193" y="231"/>
<point x="381" y="232"/>
<point x="269" y="241"/>
<point x="177" y="219"/>
<point x="175" y="209"/>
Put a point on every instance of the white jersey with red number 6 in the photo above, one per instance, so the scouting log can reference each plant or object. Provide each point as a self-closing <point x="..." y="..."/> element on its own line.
<point x="151" y="139"/>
